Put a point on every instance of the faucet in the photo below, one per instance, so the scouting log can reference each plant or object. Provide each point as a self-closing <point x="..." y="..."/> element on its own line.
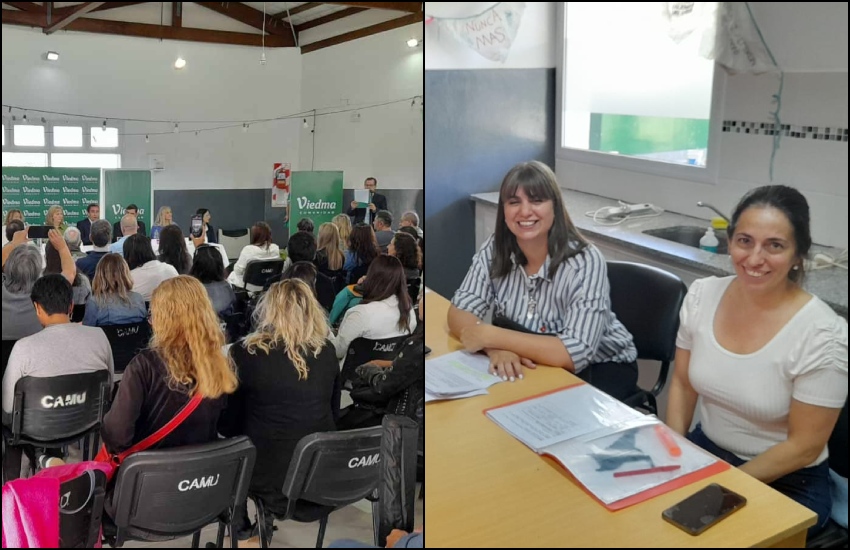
<point x="721" y="214"/>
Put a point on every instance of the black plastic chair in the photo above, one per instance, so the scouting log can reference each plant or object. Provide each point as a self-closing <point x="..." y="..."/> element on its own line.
<point x="332" y="469"/>
<point x="234" y="326"/>
<point x="56" y="411"/>
<point x="78" y="313"/>
<point x="7" y="351"/>
<point x="260" y="274"/>
<point x="81" y="510"/>
<point x="166" y="494"/>
<point x="647" y="301"/>
<point x="834" y="535"/>
<point x="363" y="350"/>
<point x="413" y="288"/>
<point x="399" y="464"/>
<point x="126" y="342"/>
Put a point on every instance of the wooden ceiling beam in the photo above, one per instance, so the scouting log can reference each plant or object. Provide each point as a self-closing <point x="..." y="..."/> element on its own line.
<point x="177" y="14"/>
<point x="327" y="19"/>
<point x="247" y="15"/>
<point x="144" y="30"/>
<point x="409" y="19"/>
<point x="410" y="7"/>
<point x="80" y="11"/>
<point x="296" y="10"/>
<point x="26" y="6"/>
<point x="65" y="10"/>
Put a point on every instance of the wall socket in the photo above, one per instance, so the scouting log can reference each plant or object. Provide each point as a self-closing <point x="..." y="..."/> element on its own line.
<point x="355" y="116"/>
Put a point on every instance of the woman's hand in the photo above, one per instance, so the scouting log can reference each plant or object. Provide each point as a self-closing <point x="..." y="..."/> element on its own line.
<point x="507" y="365"/>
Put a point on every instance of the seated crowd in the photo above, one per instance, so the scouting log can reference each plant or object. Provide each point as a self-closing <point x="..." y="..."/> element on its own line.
<point x="274" y="376"/>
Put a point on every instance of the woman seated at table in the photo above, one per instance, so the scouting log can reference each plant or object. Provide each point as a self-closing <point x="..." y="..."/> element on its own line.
<point x="287" y="371"/>
<point x="261" y="248"/>
<point x="208" y="268"/>
<point x="362" y="249"/>
<point x="53" y="264"/>
<point x="211" y="236"/>
<point x="163" y="219"/>
<point x="56" y="218"/>
<point x="767" y="359"/>
<point x="147" y="272"/>
<point x="385" y="311"/>
<point x="113" y="301"/>
<point x="172" y="249"/>
<point x="543" y="279"/>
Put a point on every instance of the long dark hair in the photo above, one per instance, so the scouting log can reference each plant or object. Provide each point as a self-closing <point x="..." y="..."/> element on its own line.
<point x="207" y="266"/>
<point x="386" y="278"/>
<point x="407" y="251"/>
<point x="138" y="251"/>
<point x="172" y="249"/>
<point x="364" y="244"/>
<point x="538" y="182"/>
<point x="790" y="202"/>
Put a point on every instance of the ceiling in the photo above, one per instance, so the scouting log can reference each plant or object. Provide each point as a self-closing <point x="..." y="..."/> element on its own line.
<point x="280" y="26"/>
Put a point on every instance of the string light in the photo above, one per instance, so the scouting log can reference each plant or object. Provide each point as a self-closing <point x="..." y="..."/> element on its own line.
<point x="104" y="125"/>
<point x="176" y="127"/>
<point x="305" y="122"/>
<point x="147" y="138"/>
<point x="25" y="117"/>
<point x="245" y="128"/>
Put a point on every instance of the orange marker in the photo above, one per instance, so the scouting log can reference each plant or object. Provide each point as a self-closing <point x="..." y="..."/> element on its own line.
<point x="667" y="440"/>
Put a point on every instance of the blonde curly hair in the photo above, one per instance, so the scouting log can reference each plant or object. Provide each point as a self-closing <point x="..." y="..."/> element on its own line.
<point x="187" y="336"/>
<point x="289" y="315"/>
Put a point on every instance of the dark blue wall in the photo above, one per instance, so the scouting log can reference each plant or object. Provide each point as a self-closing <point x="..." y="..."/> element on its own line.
<point x="478" y="124"/>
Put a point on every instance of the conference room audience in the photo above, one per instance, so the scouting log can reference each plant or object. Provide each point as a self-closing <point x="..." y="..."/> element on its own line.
<point x="53" y="264"/>
<point x="21" y="268"/>
<point x="126" y="227"/>
<point x="329" y="257"/>
<point x="302" y="248"/>
<point x="84" y="225"/>
<point x="405" y="248"/>
<point x="147" y="272"/>
<point x="385" y="311"/>
<point x="362" y="249"/>
<point x="100" y="234"/>
<point x="261" y="248"/>
<point x="163" y="219"/>
<point x="172" y="249"/>
<point x="764" y="360"/>
<point x="410" y="231"/>
<point x="343" y="224"/>
<point x="61" y="348"/>
<point x="306" y="225"/>
<point x="208" y="269"/>
<point x="383" y="225"/>
<point x="211" y="235"/>
<point x="56" y="218"/>
<point x="117" y="232"/>
<point x="12" y="214"/>
<point x="287" y="370"/>
<point x="74" y="239"/>
<point x="410" y="219"/>
<point x="10" y="229"/>
<point x="113" y="301"/>
<point x="184" y="359"/>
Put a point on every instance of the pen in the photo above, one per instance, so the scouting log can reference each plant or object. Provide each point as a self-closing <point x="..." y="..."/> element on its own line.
<point x="667" y="440"/>
<point x="656" y="469"/>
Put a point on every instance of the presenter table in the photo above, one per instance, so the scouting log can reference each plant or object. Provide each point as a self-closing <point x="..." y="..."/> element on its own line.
<point x="486" y="489"/>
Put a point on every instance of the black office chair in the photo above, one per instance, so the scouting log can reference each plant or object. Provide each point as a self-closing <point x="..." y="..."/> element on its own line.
<point x="78" y="313"/>
<point x="397" y="489"/>
<point x="363" y="350"/>
<point x="7" y="351"/>
<point x="81" y="510"/>
<point x="647" y="301"/>
<point x="126" y="342"/>
<point x="834" y="535"/>
<point x="234" y="326"/>
<point x="413" y="287"/>
<point x="332" y="470"/>
<point x="56" y="411"/>
<point x="166" y="494"/>
<point x="260" y="274"/>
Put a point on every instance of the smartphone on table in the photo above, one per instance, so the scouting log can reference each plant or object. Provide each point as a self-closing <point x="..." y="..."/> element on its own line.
<point x="704" y="508"/>
<point x="197" y="227"/>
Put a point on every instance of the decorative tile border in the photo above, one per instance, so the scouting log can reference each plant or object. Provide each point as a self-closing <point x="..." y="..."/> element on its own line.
<point x="786" y="130"/>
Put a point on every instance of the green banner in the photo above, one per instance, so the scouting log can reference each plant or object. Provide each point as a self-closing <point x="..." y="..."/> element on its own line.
<point x="34" y="190"/>
<point x="314" y="195"/>
<point x="124" y="187"/>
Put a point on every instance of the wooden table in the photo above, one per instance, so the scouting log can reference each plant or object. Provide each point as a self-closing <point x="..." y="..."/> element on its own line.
<point x="485" y="488"/>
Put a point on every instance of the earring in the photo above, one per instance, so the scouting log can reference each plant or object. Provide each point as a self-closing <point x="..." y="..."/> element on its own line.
<point x="796" y="267"/>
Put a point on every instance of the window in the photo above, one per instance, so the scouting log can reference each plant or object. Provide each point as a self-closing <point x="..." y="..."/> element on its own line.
<point x="104" y="137"/>
<point x="629" y="90"/>
<point x="24" y="159"/>
<point x="85" y="160"/>
<point x="67" y="136"/>
<point x="29" y="135"/>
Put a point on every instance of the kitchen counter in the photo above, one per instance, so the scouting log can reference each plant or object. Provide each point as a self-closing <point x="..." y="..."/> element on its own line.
<point x="829" y="284"/>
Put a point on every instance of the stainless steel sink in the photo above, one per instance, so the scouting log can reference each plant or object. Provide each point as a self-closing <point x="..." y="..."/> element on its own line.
<point x="690" y="235"/>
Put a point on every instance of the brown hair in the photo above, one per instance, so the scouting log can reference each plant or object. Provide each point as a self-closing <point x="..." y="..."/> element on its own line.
<point x="112" y="280"/>
<point x="385" y="278"/>
<point x="261" y="235"/>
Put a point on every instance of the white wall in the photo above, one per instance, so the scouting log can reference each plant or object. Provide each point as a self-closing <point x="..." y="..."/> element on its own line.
<point x="387" y="142"/>
<point x="810" y="43"/>
<point x="127" y="77"/>
<point x="532" y="48"/>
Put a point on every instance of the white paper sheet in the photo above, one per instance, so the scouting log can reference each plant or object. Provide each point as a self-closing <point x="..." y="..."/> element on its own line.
<point x="458" y="372"/>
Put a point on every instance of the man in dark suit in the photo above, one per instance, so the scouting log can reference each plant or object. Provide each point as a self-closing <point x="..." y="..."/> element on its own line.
<point x="377" y="202"/>
<point x="93" y="213"/>
<point x="116" y="227"/>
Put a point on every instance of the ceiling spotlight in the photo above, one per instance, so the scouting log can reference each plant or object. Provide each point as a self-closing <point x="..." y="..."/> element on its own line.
<point x="52" y="56"/>
<point x="305" y="122"/>
<point x="147" y="138"/>
<point x="180" y="63"/>
<point x="413" y="42"/>
<point x="245" y="128"/>
<point x="25" y="118"/>
<point x="176" y="127"/>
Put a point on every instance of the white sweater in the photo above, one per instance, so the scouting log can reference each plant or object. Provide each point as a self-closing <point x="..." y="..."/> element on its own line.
<point x="147" y="277"/>
<point x="250" y="253"/>
<point x="374" y="321"/>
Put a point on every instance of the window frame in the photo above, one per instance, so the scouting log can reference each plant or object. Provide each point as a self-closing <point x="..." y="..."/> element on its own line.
<point x="49" y="148"/>
<point x="708" y="174"/>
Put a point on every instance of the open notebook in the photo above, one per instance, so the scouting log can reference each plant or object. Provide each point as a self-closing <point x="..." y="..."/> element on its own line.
<point x="616" y="453"/>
